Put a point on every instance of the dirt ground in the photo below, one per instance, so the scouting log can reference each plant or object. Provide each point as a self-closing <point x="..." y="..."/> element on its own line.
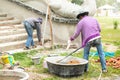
<point x="31" y="71"/>
<point x="36" y="76"/>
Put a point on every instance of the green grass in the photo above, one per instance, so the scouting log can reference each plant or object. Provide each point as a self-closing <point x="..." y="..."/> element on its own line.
<point x="94" y="68"/>
<point x="108" y="35"/>
<point x="108" y="32"/>
<point x="107" y="21"/>
<point x="24" y="58"/>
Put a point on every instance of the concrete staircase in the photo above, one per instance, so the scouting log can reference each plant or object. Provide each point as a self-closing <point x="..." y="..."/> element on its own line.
<point x="12" y="33"/>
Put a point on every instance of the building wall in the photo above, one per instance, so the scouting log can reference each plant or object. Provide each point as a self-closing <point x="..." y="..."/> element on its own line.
<point x="61" y="31"/>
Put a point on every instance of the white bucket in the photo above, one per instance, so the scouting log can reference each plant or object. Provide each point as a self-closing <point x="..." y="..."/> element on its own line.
<point x="36" y="60"/>
<point x="45" y="64"/>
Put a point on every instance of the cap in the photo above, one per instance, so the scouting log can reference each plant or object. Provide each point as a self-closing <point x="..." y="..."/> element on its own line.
<point x="40" y="20"/>
<point x="82" y="13"/>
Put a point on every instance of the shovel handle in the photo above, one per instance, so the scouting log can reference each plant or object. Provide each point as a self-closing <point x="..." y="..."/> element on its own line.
<point x="69" y="54"/>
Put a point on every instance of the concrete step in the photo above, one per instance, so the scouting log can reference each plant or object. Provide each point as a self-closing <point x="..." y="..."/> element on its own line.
<point x="6" y="18"/>
<point x="12" y="31"/>
<point x="15" y="37"/>
<point x="22" y="50"/>
<point x="14" y="45"/>
<point x="3" y="14"/>
<point x="19" y="25"/>
<point x="9" y="22"/>
<point x="5" y="27"/>
<point x="11" y="27"/>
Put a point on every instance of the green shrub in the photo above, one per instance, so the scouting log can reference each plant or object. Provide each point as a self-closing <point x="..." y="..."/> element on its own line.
<point x="79" y="2"/>
<point x="115" y="23"/>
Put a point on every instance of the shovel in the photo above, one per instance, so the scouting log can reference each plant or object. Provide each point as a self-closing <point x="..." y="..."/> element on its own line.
<point x="68" y="55"/>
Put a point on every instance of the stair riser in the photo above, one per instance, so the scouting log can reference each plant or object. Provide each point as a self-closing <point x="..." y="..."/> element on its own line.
<point x="14" y="38"/>
<point x="10" y="28"/>
<point x="11" y="32"/>
<point x="6" y="18"/>
<point x="14" y="46"/>
<point x="8" y="23"/>
<point x="3" y="15"/>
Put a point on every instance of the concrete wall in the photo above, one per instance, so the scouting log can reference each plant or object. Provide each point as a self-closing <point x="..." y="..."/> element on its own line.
<point x="61" y="31"/>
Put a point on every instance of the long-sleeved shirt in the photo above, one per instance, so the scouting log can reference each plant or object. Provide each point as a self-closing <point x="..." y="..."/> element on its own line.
<point x="35" y="23"/>
<point x="89" y="28"/>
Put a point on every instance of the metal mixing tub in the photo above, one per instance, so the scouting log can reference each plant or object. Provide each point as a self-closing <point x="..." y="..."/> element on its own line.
<point x="65" y="70"/>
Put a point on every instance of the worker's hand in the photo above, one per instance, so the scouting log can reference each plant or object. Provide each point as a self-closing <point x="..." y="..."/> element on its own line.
<point x="68" y="44"/>
<point x="40" y="43"/>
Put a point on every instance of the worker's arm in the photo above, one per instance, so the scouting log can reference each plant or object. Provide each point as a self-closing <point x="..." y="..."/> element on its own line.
<point x="77" y="31"/>
<point x="38" y="20"/>
<point x="38" y="28"/>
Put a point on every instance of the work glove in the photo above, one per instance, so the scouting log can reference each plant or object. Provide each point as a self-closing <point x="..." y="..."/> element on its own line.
<point x="68" y="44"/>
